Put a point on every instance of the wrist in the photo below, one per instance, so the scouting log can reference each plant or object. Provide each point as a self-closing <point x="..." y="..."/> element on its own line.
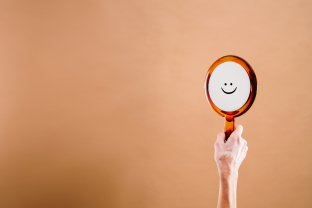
<point x="229" y="172"/>
<point x="229" y="175"/>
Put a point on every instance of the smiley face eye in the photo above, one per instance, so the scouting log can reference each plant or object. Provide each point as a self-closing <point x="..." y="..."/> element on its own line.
<point x="230" y="83"/>
<point x="225" y="84"/>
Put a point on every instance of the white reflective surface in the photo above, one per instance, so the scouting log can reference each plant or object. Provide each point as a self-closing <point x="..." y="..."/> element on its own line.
<point x="229" y="86"/>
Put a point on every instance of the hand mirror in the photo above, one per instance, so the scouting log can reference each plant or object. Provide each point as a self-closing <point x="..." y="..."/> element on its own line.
<point x="231" y="88"/>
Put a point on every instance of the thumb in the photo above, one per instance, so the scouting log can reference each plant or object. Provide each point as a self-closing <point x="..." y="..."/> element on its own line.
<point x="238" y="132"/>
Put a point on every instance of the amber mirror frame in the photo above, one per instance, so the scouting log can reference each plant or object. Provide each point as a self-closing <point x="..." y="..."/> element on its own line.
<point x="229" y="116"/>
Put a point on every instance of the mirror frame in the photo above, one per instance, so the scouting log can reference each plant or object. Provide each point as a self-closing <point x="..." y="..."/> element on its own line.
<point x="253" y="85"/>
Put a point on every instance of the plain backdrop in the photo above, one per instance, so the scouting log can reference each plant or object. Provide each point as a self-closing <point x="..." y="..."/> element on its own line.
<point x="102" y="103"/>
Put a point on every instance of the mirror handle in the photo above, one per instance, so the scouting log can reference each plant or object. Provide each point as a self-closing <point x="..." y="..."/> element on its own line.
<point x="229" y="126"/>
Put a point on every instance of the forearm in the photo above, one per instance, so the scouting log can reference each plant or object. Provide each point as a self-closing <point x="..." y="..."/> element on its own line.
<point x="229" y="155"/>
<point x="227" y="190"/>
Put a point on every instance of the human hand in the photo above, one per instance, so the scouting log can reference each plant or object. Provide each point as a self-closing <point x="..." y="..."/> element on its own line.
<point x="229" y="155"/>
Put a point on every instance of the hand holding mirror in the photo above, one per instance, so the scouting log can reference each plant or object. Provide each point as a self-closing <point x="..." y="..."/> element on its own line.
<point x="231" y="88"/>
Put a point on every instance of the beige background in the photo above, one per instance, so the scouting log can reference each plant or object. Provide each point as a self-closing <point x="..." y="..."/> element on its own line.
<point x="102" y="103"/>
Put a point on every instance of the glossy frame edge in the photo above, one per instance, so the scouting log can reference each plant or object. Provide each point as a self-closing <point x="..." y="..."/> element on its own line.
<point x="253" y="85"/>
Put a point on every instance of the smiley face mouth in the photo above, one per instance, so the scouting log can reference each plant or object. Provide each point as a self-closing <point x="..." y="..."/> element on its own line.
<point x="228" y="92"/>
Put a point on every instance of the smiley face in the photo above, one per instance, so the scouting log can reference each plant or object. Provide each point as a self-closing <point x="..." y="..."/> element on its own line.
<point x="228" y="92"/>
<point x="229" y="86"/>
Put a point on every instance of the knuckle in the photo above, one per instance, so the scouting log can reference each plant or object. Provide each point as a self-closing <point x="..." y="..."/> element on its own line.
<point x="235" y="137"/>
<point x="246" y="149"/>
<point x="238" y="139"/>
<point x="220" y="134"/>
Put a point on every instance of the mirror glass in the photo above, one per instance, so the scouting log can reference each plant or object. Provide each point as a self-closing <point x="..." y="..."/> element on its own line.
<point x="229" y="86"/>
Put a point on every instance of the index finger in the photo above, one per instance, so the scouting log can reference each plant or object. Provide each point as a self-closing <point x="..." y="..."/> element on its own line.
<point x="221" y="137"/>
